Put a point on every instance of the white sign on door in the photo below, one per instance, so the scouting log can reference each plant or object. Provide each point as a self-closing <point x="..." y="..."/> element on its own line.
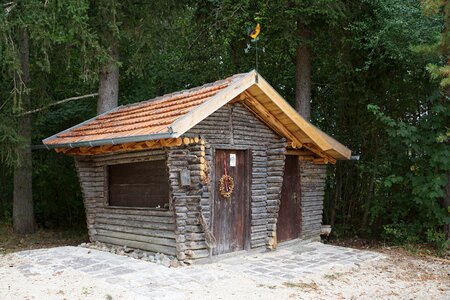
<point x="232" y="160"/>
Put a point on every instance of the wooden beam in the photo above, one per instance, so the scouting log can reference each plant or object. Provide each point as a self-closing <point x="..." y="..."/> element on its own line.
<point x="294" y="145"/>
<point x="321" y="161"/>
<point x="299" y="152"/>
<point x="150" y="144"/>
<point x="306" y="158"/>
<point x="313" y="148"/>
<point x="61" y="150"/>
<point x="267" y="117"/>
<point x="135" y="146"/>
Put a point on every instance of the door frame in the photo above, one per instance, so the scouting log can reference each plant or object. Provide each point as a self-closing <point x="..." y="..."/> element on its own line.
<point x="247" y="190"/>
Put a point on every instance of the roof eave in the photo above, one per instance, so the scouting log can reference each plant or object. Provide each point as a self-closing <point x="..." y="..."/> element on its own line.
<point x="114" y="141"/>
<point x="303" y="124"/>
<point x="44" y="141"/>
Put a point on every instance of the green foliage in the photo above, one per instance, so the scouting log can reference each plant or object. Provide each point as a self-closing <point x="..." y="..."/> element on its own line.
<point x="9" y="141"/>
<point x="371" y="89"/>
<point x="419" y="164"/>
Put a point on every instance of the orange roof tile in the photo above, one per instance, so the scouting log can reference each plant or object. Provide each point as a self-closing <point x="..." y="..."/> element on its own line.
<point x="144" y="118"/>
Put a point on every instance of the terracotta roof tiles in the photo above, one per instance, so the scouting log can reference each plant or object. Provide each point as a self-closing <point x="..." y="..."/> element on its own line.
<point x="143" y="118"/>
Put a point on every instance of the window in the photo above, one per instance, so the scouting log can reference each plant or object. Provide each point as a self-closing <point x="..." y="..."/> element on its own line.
<point x="141" y="184"/>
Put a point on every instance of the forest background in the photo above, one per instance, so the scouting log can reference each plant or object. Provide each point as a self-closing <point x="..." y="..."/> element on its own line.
<point x="378" y="73"/>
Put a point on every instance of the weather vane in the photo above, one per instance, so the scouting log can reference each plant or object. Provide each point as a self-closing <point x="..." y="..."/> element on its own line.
<point x="253" y="34"/>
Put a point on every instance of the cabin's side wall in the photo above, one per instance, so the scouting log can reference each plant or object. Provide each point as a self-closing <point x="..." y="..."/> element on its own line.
<point x="312" y="184"/>
<point x="143" y="228"/>
<point x="234" y="127"/>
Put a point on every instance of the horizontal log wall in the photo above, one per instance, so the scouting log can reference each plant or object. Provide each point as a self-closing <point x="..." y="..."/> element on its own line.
<point x="144" y="228"/>
<point x="189" y="233"/>
<point x="312" y="179"/>
<point x="233" y="126"/>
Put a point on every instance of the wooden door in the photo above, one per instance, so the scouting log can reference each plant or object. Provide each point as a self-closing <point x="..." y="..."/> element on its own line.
<point x="230" y="217"/>
<point x="289" y="215"/>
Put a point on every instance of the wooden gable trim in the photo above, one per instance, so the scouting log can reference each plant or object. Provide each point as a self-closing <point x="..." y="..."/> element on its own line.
<point x="198" y="114"/>
<point x="311" y="131"/>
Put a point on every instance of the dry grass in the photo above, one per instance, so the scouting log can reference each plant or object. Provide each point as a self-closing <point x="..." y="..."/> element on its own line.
<point x="421" y="250"/>
<point x="302" y="285"/>
<point x="43" y="238"/>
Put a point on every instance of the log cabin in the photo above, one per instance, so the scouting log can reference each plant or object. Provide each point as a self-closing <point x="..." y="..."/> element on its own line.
<point x="227" y="166"/>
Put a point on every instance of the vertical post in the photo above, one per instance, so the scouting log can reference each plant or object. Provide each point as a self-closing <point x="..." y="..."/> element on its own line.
<point x="256" y="54"/>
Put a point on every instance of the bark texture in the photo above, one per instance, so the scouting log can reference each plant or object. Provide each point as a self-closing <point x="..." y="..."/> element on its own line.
<point x="23" y="215"/>
<point x="303" y="73"/>
<point x="108" y="92"/>
<point x="446" y="204"/>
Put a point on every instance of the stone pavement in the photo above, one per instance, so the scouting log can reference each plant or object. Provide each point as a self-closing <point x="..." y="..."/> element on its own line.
<point x="152" y="281"/>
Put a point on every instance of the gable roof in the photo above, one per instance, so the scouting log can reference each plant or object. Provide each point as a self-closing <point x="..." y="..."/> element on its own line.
<point x="172" y="115"/>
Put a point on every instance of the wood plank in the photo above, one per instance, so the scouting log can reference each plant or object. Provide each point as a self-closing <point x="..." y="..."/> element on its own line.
<point x="170" y="234"/>
<point x="138" y="224"/>
<point x="136" y="211"/>
<point x="136" y="244"/>
<point x="136" y="237"/>
<point x="299" y="152"/>
<point x="149" y="219"/>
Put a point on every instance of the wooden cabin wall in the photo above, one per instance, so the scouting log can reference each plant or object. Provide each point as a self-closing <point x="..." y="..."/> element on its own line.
<point x="234" y="127"/>
<point x="143" y="228"/>
<point x="187" y="199"/>
<point x="312" y="180"/>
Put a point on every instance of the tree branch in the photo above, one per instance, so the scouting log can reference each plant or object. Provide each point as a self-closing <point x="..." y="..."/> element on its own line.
<point x="9" y="6"/>
<point x="57" y="103"/>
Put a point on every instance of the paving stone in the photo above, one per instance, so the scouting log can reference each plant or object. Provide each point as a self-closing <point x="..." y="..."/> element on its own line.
<point x="120" y="271"/>
<point x="152" y="281"/>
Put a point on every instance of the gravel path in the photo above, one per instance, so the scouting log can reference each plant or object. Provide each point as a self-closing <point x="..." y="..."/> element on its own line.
<point x="299" y="271"/>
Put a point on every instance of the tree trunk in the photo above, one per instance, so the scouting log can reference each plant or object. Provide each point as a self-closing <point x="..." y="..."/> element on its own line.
<point x="303" y="73"/>
<point x="337" y="193"/>
<point x="446" y="206"/>
<point x="108" y="92"/>
<point x="368" y="203"/>
<point x="23" y="215"/>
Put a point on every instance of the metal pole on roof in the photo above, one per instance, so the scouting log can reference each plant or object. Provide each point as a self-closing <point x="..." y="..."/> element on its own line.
<point x="256" y="54"/>
<point x="253" y="34"/>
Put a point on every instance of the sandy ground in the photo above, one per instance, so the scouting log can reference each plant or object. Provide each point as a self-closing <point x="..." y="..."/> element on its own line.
<point x="388" y="278"/>
<point x="60" y="285"/>
<point x="397" y="276"/>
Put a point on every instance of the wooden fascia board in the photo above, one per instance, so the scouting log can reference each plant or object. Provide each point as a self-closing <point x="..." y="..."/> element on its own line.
<point x="202" y="111"/>
<point x="290" y="112"/>
<point x="309" y="129"/>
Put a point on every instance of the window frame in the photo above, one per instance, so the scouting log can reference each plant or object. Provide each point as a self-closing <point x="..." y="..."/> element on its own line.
<point x="107" y="190"/>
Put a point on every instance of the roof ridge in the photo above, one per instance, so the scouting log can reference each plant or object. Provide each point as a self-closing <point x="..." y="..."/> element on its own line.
<point x="189" y="90"/>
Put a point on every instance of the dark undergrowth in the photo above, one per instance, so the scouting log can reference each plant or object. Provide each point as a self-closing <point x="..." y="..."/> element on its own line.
<point x="43" y="238"/>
